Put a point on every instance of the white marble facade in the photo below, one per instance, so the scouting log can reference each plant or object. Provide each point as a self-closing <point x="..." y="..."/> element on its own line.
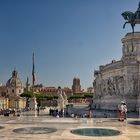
<point x="120" y="80"/>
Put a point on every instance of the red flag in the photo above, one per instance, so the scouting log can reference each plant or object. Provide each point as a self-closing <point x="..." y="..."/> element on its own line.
<point x="33" y="72"/>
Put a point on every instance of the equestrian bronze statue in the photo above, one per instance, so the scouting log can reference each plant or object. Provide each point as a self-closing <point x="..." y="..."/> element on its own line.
<point x="132" y="18"/>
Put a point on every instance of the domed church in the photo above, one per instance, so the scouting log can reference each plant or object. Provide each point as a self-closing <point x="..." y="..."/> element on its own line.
<point x="14" y="85"/>
<point x="13" y="90"/>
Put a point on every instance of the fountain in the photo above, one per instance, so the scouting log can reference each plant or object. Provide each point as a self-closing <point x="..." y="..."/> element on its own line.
<point x="137" y="122"/>
<point x="98" y="132"/>
<point x="35" y="130"/>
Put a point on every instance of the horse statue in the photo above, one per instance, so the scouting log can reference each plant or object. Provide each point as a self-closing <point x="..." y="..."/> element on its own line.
<point x="132" y="18"/>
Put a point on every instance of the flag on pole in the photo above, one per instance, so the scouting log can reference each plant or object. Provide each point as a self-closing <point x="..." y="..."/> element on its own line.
<point x="33" y="71"/>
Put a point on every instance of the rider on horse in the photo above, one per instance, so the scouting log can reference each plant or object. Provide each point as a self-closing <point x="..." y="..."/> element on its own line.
<point x="132" y="18"/>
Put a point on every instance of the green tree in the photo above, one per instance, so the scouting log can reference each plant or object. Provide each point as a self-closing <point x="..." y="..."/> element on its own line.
<point x="27" y="94"/>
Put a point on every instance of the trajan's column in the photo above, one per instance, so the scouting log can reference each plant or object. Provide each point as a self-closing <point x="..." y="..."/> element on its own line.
<point x="120" y="80"/>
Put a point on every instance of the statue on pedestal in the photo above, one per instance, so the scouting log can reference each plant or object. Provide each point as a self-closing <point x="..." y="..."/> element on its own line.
<point x="132" y="18"/>
<point x="62" y="100"/>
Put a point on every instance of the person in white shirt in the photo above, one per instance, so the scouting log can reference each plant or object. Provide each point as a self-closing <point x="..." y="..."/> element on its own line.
<point x="125" y="111"/>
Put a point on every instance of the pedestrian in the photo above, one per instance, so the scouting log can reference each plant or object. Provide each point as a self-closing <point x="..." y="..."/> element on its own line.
<point x="90" y="114"/>
<point x="120" y="111"/>
<point x="14" y="112"/>
<point x="57" y="115"/>
<point x="38" y="110"/>
<point x="125" y="111"/>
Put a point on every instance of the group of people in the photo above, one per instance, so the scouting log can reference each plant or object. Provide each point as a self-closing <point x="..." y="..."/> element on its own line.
<point x="122" y="108"/>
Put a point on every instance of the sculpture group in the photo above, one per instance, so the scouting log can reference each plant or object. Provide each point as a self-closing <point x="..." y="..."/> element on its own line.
<point x="62" y="99"/>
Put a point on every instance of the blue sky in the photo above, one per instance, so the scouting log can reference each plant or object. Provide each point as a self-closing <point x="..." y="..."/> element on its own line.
<point x="70" y="38"/>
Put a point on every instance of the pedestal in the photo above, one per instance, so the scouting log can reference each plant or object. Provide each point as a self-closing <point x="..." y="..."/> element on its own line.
<point x="33" y="103"/>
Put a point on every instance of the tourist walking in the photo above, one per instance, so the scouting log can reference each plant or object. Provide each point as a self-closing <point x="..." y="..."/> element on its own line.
<point x="38" y="110"/>
<point x="121" y="111"/>
<point x="125" y="111"/>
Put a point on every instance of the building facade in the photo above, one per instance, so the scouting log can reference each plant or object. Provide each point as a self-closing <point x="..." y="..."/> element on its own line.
<point x="76" y="87"/>
<point x="51" y="91"/>
<point x="13" y="90"/>
<point x="120" y="80"/>
<point x="14" y="85"/>
<point x="90" y="90"/>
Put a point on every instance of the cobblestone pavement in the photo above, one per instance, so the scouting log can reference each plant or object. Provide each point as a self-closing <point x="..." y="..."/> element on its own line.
<point x="128" y="130"/>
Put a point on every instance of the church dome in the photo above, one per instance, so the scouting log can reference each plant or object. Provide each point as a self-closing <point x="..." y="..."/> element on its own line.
<point x="14" y="81"/>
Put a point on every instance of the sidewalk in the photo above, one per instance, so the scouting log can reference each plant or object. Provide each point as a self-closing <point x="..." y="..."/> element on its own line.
<point x="129" y="130"/>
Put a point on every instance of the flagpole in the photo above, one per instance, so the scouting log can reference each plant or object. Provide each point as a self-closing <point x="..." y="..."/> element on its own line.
<point x="33" y="81"/>
<point x="33" y="75"/>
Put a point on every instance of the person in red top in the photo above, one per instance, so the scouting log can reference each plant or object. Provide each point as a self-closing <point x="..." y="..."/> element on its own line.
<point x="121" y="111"/>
